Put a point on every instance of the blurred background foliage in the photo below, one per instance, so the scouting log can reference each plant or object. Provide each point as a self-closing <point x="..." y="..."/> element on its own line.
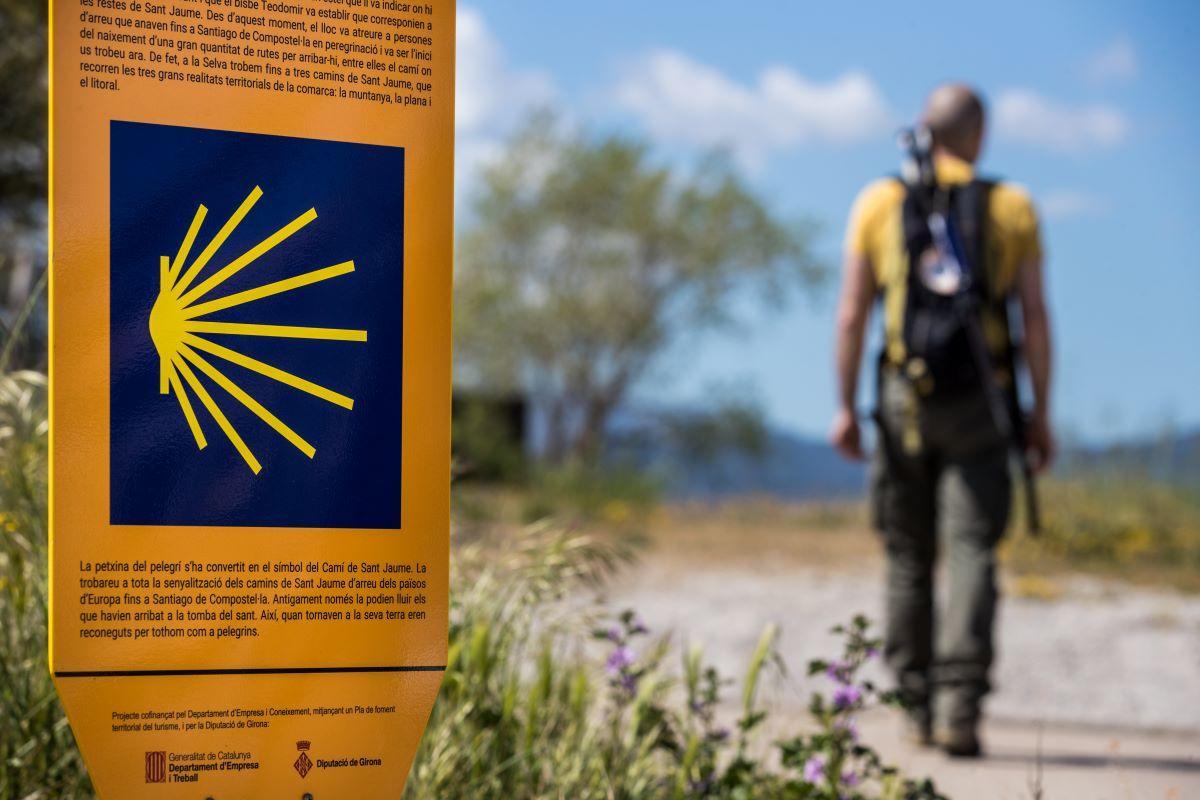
<point x="582" y="259"/>
<point x="1124" y="526"/>
<point x="23" y="179"/>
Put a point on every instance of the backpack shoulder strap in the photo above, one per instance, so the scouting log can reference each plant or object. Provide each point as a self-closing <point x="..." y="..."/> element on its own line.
<point x="971" y="203"/>
<point x="914" y="216"/>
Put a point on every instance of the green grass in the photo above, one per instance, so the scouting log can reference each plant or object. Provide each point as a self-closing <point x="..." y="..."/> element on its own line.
<point x="38" y="758"/>
<point x="1122" y="527"/>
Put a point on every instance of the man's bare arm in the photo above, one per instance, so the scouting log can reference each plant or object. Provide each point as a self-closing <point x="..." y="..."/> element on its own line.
<point x="1038" y="356"/>
<point x="854" y="310"/>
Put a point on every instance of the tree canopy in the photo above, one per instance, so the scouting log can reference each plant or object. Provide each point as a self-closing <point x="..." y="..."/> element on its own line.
<point x="584" y="257"/>
<point x="23" y="120"/>
<point x="23" y="181"/>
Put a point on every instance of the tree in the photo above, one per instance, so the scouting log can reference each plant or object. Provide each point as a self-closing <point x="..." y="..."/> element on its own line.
<point x="23" y="113"/>
<point x="23" y="147"/>
<point x="583" y="259"/>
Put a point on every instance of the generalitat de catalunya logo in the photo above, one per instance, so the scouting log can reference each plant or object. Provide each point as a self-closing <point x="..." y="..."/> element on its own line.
<point x="256" y="329"/>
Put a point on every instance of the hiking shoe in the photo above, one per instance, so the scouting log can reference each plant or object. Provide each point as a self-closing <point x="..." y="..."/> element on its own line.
<point x="960" y="742"/>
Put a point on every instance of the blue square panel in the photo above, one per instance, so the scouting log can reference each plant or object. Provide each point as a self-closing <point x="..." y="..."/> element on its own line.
<point x="256" y="328"/>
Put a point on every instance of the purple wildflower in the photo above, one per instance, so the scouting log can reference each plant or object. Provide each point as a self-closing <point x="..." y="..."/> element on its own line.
<point x="839" y="671"/>
<point x="614" y="634"/>
<point x="639" y="626"/>
<point x="850" y="778"/>
<point x="847" y="727"/>
<point x="846" y="696"/>
<point x="629" y="682"/>
<point x="814" y="769"/>
<point x="619" y="660"/>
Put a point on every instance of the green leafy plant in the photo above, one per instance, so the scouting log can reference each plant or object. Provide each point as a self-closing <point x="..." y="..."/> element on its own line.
<point x="38" y="758"/>
<point x="533" y="708"/>
<point x="834" y="764"/>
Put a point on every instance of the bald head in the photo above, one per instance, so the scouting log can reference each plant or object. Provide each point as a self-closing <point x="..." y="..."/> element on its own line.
<point x="955" y="116"/>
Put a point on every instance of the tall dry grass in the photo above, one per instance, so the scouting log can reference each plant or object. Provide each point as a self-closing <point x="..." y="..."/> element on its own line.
<point x="1122" y="526"/>
<point x="38" y="758"/>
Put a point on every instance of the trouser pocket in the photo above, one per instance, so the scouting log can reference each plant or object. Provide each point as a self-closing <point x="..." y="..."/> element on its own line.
<point x="877" y="483"/>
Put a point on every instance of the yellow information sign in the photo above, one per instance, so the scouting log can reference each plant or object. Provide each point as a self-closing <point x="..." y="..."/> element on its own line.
<point x="251" y="228"/>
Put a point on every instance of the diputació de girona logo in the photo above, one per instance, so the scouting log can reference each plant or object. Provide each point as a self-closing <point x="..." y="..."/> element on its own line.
<point x="245" y="272"/>
<point x="156" y="767"/>
<point x="303" y="763"/>
<point x="184" y="312"/>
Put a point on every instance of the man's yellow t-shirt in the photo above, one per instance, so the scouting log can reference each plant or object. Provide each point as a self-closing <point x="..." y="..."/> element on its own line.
<point x="876" y="230"/>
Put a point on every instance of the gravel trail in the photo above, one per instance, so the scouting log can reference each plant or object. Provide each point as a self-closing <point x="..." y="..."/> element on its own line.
<point x="1101" y="655"/>
<point x="1097" y="691"/>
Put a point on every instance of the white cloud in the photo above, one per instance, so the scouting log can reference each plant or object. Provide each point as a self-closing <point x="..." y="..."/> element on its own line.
<point x="488" y="90"/>
<point x="490" y="95"/>
<point x="1068" y="203"/>
<point x="682" y="100"/>
<point x="1115" y="63"/>
<point x="1027" y="117"/>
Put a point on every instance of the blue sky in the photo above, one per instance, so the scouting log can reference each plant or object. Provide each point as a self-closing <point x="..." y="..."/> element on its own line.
<point x="1094" y="109"/>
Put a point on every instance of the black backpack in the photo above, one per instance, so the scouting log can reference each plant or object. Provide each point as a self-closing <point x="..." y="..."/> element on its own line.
<point x="941" y="361"/>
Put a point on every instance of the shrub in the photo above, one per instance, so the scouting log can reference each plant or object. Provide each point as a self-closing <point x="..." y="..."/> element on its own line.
<point x="38" y="758"/>
<point x="1125" y="526"/>
<point x="529" y="709"/>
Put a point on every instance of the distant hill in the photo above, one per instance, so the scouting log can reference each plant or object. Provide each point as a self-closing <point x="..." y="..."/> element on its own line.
<point x="1174" y="458"/>
<point x="795" y="467"/>
<point x="792" y="468"/>
<point x="789" y="467"/>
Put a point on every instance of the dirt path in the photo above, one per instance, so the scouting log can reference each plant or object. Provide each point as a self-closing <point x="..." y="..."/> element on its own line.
<point x="1075" y="763"/>
<point x="1110" y="674"/>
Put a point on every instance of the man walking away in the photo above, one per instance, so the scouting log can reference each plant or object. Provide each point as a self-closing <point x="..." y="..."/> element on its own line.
<point x="947" y="257"/>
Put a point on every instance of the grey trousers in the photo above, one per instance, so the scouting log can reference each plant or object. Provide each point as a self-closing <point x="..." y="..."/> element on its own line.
<point x="941" y="477"/>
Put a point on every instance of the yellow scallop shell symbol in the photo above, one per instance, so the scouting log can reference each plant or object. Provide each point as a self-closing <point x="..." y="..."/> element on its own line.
<point x="182" y="316"/>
